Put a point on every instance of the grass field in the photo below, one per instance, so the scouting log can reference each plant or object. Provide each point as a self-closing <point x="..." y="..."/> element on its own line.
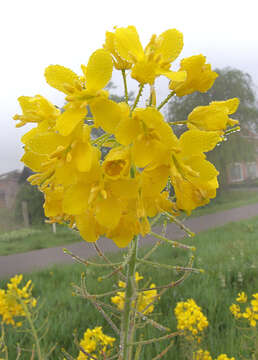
<point x="229" y="257"/>
<point x="40" y="237"/>
<point x="34" y="238"/>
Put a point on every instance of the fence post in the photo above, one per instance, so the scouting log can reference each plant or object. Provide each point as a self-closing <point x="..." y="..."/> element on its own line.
<point x="25" y="214"/>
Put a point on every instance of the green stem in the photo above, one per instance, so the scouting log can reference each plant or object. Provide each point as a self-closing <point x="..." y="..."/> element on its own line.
<point x="100" y="139"/>
<point x="3" y="347"/>
<point x="86" y="262"/>
<point x="33" y="330"/>
<point x="150" y="341"/>
<point x="168" y="267"/>
<point x="172" y="242"/>
<point x="125" y="85"/>
<point x="166" y="100"/>
<point x="181" y="122"/>
<point x="180" y="224"/>
<point x="129" y="297"/>
<point x="137" y="97"/>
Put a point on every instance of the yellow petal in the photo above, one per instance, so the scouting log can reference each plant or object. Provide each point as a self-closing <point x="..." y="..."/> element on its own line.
<point x="208" y="118"/>
<point x="145" y="72"/>
<point x="147" y="150"/>
<point x="230" y="104"/>
<point x="33" y="160"/>
<point x="99" y="70"/>
<point x="108" y="212"/>
<point x="206" y="170"/>
<point x="196" y="141"/>
<point x="29" y="135"/>
<point x="61" y="78"/>
<point x="170" y="44"/>
<point x="128" y="43"/>
<point x="177" y="76"/>
<point x="106" y="113"/>
<point x="53" y="205"/>
<point x="87" y="227"/>
<point x="76" y="199"/>
<point x="65" y="174"/>
<point x="123" y="234"/>
<point x="127" y="130"/>
<point x="53" y="208"/>
<point x="154" y="181"/>
<point x="82" y="155"/>
<point x="69" y="119"/>
<point x="46" y="143"/>
<point x="124" y="188"/>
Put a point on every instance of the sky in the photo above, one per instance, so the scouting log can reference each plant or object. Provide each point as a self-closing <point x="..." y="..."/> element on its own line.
<point x="37" y="33"/>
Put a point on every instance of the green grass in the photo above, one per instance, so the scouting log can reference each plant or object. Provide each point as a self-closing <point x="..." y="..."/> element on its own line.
<point x="229" y="257"/>
<point x="34" y="238"/>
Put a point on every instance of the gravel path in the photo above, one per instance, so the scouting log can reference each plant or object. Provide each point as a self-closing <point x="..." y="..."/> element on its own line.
<point x="39" y="259"/>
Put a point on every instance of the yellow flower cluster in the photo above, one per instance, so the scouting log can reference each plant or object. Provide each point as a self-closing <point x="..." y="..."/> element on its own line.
<point x="13" y="299"/>
<point x="190" y="317"/>
<point x="250" y="313"/>
<point x="143" y="301"/>
<point x="205" y="355"/>
<point x="95" y="343"/>
<point x="114" y="195"/>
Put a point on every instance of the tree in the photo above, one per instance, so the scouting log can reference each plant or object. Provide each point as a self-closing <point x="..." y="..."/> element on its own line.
<point x="230" y="83"/>
<point x="32" y="196"/>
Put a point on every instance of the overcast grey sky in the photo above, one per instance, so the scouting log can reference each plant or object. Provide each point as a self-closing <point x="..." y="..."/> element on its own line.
<point x="36" y="33"/>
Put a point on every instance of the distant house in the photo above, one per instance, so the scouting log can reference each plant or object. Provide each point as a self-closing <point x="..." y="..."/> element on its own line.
<point x="9" y="186"/>
<point x="243" y="171"/>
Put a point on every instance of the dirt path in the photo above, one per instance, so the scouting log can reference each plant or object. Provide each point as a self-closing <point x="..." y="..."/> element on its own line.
<point x="38" y="259"/>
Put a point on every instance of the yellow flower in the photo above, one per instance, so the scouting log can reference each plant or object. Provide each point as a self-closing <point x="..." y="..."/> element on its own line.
<point x="242" y="297"/>
<point x="250" y="313"/>
<point x="190" y="317"/>
<point x="110" y="45"/>
<point x="235" y="309"/>
<point x="13" y="299"/>
<point x="36" y="109"/>
<point x="117" y="163"/>
<point x="95" y="343"/>
<point x="113" y="192"/>
<point x="224" y="357"/>
<point x="80" y="91"/>
<point x="254" y="303"/>
<point x="213" y="117"/>
<point x="151" y="137"/>
<point x="200" y="77"/>
<point x="251" y="316"/>
<point x="150" y="62"/>
<point x="144" y="299"/>
<point x="202" y="355"/>
<point x="194" y="178"/>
